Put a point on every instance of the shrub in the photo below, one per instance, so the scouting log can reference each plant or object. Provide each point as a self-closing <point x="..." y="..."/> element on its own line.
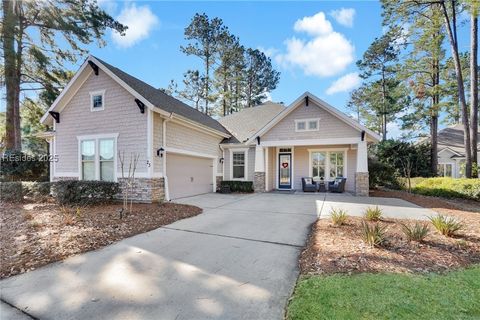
<point x="373" y="214"/>
<point x="447" y="226"/>
<point x="39" y="191"/>
<point x="339" y="216"/>
<point x="447" y="187"/>
<point x="417" y="232"/>
<point x="238" y="186"/>
<point x="73" y="192"/>
<point x="381" y="174"/>
<point x="373" y="235"/>
<point x="11" y="191"/>
<point x="19" y="166"/>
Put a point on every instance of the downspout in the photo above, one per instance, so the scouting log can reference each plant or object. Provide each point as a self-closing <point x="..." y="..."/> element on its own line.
<point x="223" y="162"/>
<point x="164" y="164"/>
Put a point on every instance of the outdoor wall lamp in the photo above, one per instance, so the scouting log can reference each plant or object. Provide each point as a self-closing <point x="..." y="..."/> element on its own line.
<point x="221" y="160"/>
<point x="160" y="152"/>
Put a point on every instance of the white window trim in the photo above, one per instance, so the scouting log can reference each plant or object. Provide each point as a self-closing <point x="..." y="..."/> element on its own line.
<point x="307" y="129"/>
<point x="327" y="162"/>
<point x="244" y="150"/>
<point x="97" y="137"/>
<point x="453" y="168"/>
<point x="97" y="93"/>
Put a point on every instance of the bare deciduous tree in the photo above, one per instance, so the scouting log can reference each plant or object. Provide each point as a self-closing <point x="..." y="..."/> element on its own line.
<point x="127" y="181"/>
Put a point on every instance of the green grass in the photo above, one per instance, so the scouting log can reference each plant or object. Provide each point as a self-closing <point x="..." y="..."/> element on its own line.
<point x="455" y="295"/>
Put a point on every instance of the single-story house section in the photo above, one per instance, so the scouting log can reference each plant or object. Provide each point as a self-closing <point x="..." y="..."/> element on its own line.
<point x="451" y="151"/>
<point x="105" y="115"/>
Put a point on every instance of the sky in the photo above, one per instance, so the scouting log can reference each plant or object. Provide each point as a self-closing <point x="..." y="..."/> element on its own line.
<point x="313" y="44"/>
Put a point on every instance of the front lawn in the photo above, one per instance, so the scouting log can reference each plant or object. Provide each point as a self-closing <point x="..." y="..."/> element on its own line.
<point x="455" y="295"/>
<point x="401" y="277"/>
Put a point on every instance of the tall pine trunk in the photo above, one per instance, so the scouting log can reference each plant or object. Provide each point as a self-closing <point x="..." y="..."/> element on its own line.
<point x="12" y="127"/>
<point x="434" y="117"/>
<point x="452" y="36"/>
<point x="18" y="75"/>
<point x="384" y="108"/>
<point x="474" y="89"/>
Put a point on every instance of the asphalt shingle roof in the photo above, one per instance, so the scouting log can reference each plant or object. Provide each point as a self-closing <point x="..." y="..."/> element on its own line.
<point x="245" y="123"/>
<point x="452" y="137"/>
<point x="164" y="101"/>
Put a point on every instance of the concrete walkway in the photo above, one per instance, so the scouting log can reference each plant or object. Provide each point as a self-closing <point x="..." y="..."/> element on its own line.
<point x="237" y="260"/>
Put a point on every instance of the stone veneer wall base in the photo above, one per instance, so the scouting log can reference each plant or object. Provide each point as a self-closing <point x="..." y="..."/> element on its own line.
<point x="145" y="189"/>
<point x="361" y="184"/>
<point x="259" y="182"/>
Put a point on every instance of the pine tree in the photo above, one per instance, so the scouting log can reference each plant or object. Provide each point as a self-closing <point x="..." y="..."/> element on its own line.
<point x="205" y="36"/>
<point x="37" y="63"/>
<point x="260" y="77"/>
<point x="378" y="68"/>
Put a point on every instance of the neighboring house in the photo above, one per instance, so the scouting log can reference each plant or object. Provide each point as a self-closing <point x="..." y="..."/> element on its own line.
<point x="451" y="152"/>
<point x="104" y="113"/>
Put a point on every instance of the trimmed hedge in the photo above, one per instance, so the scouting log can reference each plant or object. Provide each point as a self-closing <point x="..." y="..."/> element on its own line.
<point x="69" y="192"/>
<point x="84" y="192"/>
<point x="39" y="191"/>
<point x="11" y="191"/>
<point x="238" y="186"/>
<point x="446" y="187"/>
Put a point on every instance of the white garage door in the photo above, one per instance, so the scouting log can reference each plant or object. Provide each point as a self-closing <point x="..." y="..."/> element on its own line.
<point x="188" y="176"/>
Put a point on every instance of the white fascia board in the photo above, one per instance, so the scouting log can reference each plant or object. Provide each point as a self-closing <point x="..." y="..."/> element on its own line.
<point x="65" y="90"/>
<point x="322" y="104"/>
<point x="310" y="142"/>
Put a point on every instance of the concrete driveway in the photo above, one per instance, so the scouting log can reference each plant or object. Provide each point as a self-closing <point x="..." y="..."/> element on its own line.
<point x="237" y="260"/>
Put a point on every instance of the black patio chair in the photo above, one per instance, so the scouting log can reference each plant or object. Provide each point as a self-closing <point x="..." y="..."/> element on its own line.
<point x="308" y="185"/>
<point x="337" y="185"/>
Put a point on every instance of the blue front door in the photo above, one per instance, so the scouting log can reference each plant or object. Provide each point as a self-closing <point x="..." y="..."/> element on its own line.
<point x="285" y="171"/>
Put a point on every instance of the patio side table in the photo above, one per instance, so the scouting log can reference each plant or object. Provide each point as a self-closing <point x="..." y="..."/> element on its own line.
<point x="321" y="187"/>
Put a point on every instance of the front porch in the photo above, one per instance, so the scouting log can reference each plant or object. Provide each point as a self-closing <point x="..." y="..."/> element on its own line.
<point x="282" y="166"/>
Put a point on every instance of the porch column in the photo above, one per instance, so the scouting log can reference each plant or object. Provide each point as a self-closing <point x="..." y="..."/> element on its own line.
<point x="259" y="175"/>
<point x="361" y="174"/>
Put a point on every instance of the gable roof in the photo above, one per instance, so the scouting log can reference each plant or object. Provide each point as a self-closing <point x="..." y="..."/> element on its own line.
<point x="452" y="138"/>
<point x="245" y="123"/>
<point x="340" y="115"/>
<point x="154" y="97"/>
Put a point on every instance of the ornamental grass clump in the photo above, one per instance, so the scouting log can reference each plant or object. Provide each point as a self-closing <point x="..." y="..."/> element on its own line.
<point x="373" y="235"/>
<point x="339" y="216"/>
<point x="373" y="213"/>
<point x="448" y="226"/>
<point x="417" y="232"/>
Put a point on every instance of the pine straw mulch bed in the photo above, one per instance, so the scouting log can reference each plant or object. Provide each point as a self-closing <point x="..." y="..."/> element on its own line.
<point x="36" y="234"/>
<point x="333" y="249"/>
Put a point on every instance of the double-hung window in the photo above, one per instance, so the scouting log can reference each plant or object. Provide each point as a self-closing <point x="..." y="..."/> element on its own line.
<point x="106" y="153"/>
<point x="238" y="165"/>
<point x="88" y="159"/>
<point x="97" y="156"/>
<point x="319" y="162"/>
<point x="327" y="165"/>
<point x="336" y="164"/>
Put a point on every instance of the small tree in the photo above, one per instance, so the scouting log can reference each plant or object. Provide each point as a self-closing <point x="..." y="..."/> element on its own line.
<point x="128" y="181"/>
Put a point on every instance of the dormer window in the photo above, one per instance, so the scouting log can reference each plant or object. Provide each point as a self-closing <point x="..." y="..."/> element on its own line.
<point x="302" y="125"/>
<point x="97" y="100"/>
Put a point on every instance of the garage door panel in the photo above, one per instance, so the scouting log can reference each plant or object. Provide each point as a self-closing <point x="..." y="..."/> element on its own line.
<point x="188" y="176"/>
